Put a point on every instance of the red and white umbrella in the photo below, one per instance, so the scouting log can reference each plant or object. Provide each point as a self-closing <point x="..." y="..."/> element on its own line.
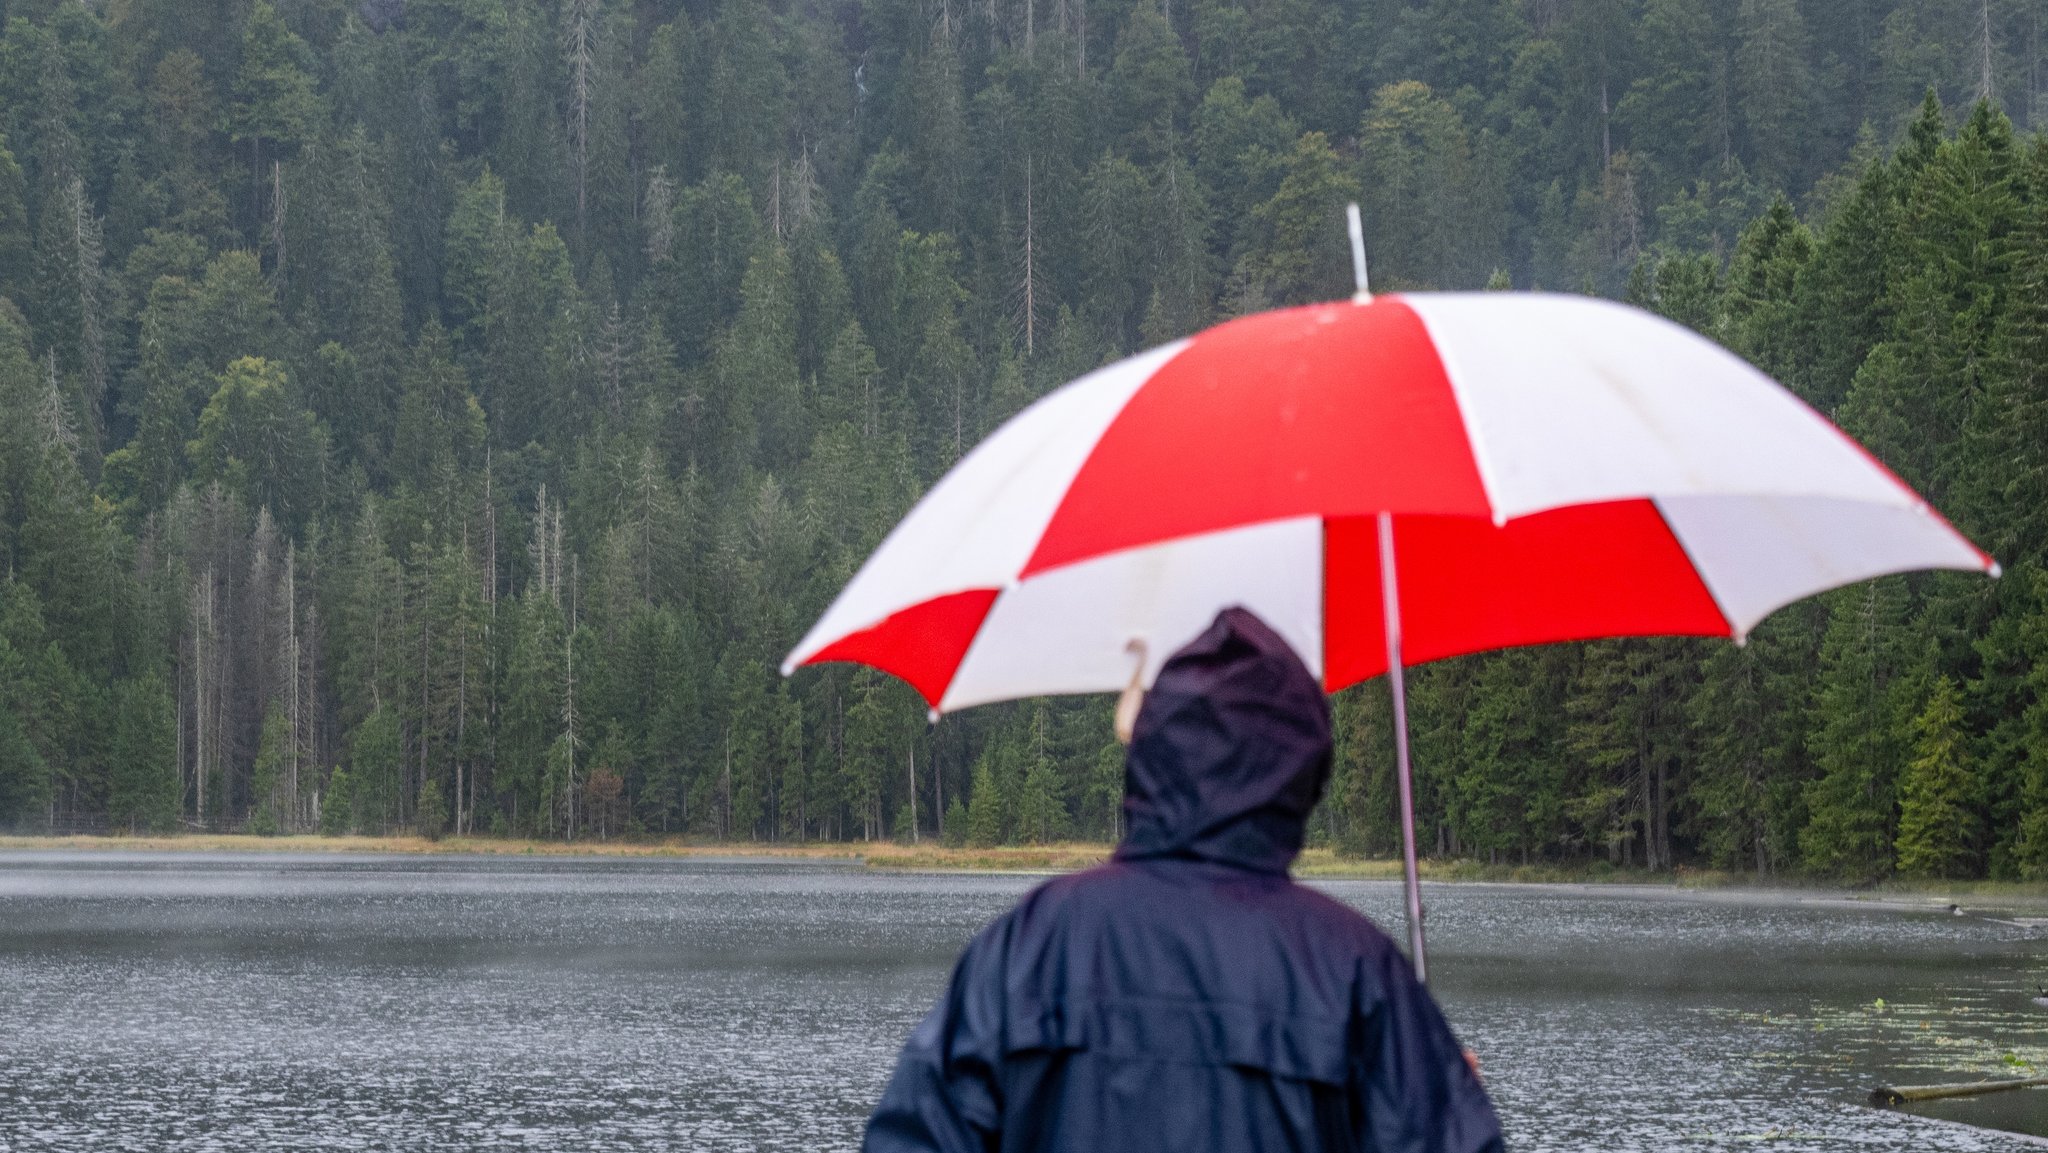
<point x="1385" y="481"/>
<point x="1555" y="468"/>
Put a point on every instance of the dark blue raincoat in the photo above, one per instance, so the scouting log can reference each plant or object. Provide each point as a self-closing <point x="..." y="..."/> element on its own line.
<point x="1188" y="996"/>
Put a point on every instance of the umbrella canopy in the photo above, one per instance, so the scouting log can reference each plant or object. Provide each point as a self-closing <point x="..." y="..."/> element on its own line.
<point x="1538" y="468"/>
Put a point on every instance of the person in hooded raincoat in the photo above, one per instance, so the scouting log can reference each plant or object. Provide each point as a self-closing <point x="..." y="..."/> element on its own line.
<point x="1188" y="995"/>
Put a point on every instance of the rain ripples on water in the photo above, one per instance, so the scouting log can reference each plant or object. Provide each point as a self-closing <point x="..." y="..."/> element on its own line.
<point x="203" y="1002"/>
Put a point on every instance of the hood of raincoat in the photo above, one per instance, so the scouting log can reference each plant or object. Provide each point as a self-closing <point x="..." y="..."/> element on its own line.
<point x="1230" y="752"/>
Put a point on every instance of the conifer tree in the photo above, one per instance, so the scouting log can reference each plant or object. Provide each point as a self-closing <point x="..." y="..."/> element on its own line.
<point x="254" y="438"/>
<point x="16" y="249"/>
<point x="1857" y="737"/>
<point x="274" y="99"/>
<point x="985" y="816"/>
<point x="1774" y="81"/>
<point x="1298" y="256"/>
<point x="24" y="774"/>
<point x="267" y="781"/>
<point x="1430" y="203"/>
<point x="143" y="778"/>
<point x="1935" y="835"/>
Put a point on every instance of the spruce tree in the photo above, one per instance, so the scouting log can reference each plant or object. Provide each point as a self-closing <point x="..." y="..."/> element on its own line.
<point x="274" y="99"/>
<point x="267" y="781"/>
<point x="985" y="816"/>
<point x="1857" y="736"/>
<point x="143" y="778"/>
<point x="1935" y="822"/>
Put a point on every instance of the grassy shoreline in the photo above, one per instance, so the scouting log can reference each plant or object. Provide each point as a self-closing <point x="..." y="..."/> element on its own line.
<point x="1054" y="858"/>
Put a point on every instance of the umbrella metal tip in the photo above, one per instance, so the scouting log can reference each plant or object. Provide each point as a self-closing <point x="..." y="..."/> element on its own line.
<point x="1996" y="570"/>
<point x="1356" y="227"/>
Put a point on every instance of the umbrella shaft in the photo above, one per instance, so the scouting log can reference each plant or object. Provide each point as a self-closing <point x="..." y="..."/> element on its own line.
<point x="1390" y="601"/>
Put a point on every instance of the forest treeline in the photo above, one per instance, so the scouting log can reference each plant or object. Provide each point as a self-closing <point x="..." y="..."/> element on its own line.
<point x="443" y="414"/>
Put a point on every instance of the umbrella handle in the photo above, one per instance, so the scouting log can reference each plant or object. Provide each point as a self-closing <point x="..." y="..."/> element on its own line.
<point x="1390" y="604"/>
<point x="1133" y="696"/>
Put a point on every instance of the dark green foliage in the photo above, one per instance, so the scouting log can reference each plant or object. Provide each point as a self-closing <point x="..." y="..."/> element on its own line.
<point x="430" y="817"/>
<point x="1434" y="202"/>
<point x="1859" y="736"/>
<point x="370" y="801"/>
<point x="24" y="773"/>
<point x="14" y="227"/>
<point x="142" y="792"/>
<point x="448" y="426"/>
<point x="259" y="442"/>
<point x="986" y="819"/>
<point x="1293" y="255"/>
<point x="268" y="781"/>
<point x="1935" y="833"/>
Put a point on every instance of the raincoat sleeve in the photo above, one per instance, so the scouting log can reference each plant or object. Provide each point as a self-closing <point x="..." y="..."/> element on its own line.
<point x="1413" y="1091"/>
<point x="946" y="1096"/>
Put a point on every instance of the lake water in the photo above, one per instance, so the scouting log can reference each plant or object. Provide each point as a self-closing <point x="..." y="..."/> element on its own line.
<point x="201" y="1002"/>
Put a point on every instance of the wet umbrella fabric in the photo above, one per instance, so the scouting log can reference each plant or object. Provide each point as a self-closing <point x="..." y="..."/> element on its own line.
<point x="1386" y="481"/>
<point x="1188" y="995"/>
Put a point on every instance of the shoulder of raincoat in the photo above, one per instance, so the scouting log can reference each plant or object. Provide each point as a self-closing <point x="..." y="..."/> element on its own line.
<point x="1188" y="995"/>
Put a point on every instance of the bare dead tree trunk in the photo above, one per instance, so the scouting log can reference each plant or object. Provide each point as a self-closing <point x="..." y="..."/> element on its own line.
<point x="555" y="557"/>
<point x="198" y="704"/>
<point x="1081" y="38"/>
<point x="206" y="644"/>
<point x="310" y="646"/>
<point x="180" y="698"/>
<point x="426" y="698"/>
<point x="649" y="478"/>
<point x="87" y="253"/>
<point x="277" y="225"/>
<point x="461" y="700"/>
<point x="290" y="659"/>
<point x="490" y="623"/>
<point x="569" y="710"/>
<point x="1030" y="259"/>
<point x="1606" y="128"/>
<point x="544" y="561"/>
<point x="581" y="50"/>
<point x="1984" y="82"/>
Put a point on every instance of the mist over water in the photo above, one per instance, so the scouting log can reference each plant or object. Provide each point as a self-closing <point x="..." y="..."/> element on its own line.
<point x="245" y="1002"/>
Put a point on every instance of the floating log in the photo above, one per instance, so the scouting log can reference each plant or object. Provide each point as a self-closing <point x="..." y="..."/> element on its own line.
<point x="1901" y="1094"/>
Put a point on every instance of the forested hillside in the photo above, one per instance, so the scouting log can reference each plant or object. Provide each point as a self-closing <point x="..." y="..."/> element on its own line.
<point x="443" y="414"/>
